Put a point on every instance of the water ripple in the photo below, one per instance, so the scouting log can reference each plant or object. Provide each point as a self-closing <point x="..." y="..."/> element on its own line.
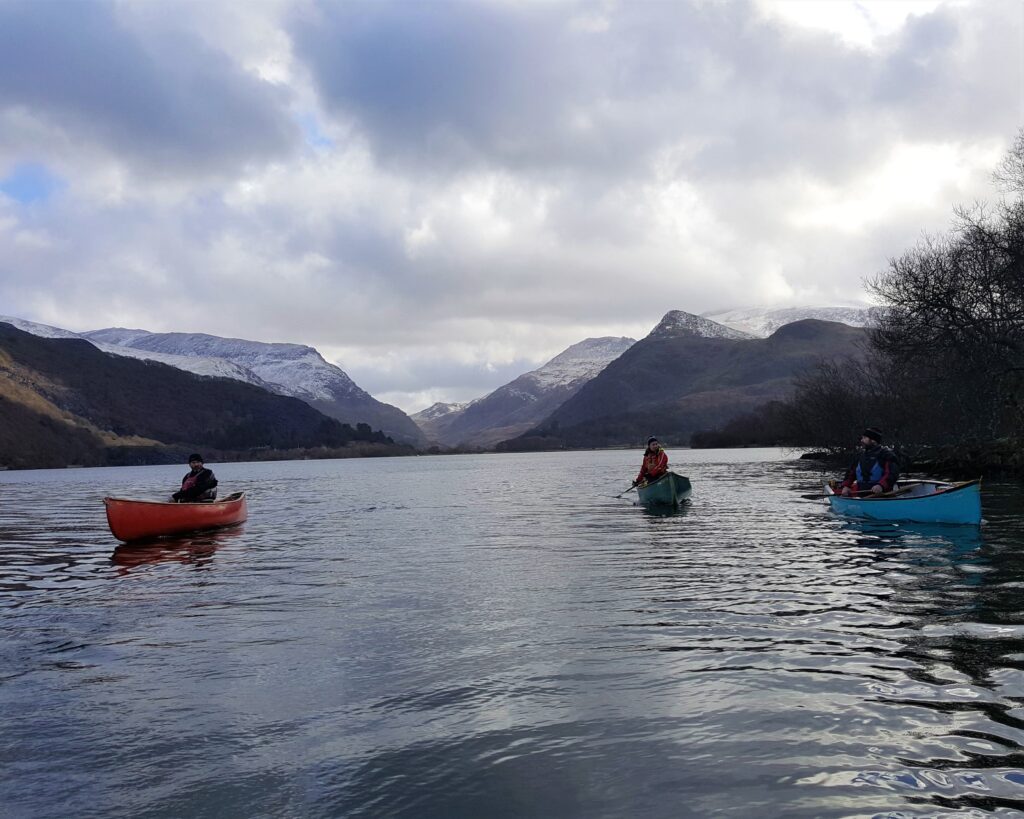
<point x="501" y="636"/>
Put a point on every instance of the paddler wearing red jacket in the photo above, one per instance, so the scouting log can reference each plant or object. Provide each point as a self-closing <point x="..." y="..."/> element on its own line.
<point x="655" y="462"/>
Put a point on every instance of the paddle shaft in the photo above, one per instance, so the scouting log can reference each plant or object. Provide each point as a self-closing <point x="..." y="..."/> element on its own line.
<point x="863" y="493"/>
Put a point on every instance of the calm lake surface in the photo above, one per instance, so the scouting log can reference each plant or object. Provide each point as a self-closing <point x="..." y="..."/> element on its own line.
<point x="489" y="636"/>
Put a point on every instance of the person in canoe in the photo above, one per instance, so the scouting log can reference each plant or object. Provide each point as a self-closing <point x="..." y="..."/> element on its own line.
<point x="875" y="470"/>
<point x="655" y="463"/>
<point x="198" y="485"/>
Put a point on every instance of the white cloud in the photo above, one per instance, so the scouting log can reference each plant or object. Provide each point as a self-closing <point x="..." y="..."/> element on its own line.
<point x="438" y="195"/>
<point x="911" y="180"/>
<point x="855" y="22"/>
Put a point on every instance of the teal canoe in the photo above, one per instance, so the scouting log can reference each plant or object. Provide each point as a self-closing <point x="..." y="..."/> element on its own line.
<point x="916" y="501"/>
<point x="668" y="490"/>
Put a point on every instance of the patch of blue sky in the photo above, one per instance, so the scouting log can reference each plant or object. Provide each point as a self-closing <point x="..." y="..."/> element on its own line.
<point x="31" y="183"/>
<point x="312" y="131"/>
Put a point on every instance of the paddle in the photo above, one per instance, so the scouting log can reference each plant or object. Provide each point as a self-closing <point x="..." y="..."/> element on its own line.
<point x="821" y="495"/>
<point x="860" y="494"/>
<point x="624" y="491"/>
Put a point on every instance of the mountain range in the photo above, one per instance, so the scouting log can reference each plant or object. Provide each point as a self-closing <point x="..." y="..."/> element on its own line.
<point x="686" y="375"/>
<point x="689" y="373"/>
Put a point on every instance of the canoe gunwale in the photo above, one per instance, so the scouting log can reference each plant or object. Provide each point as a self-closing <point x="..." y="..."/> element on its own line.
<point x="234" y="497"/>
<point x="898" y="496"/>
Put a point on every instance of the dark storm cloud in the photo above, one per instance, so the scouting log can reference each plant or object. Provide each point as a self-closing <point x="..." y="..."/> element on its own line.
<point x="458" y="81"/>
<point x="161" y="100"/>
<point x="530" y="88"/>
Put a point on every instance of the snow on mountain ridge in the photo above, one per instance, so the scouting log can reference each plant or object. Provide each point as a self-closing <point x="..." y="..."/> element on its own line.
<point x="41" y="330"/>
<point x="292" y="369"/>
<point x="436" y="410"/>
<point x="762" y="321"/>
<point x="199" y="365"/>
<point x="582" y="360"/>
<point x="676" y="322"/>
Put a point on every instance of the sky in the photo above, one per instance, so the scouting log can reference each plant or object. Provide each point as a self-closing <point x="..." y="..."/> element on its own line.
<point x="441" y="195"/>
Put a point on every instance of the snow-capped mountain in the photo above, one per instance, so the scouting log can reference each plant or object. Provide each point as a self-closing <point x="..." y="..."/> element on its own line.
<point x="437" y="410"/>
<point x="289" y="369"/>
<point x="579" y="363"/>
<point x="293" y="369"/>
<point x="517" y="406"/>
<point x="762" y="321"/>
<point x="679" y="322"/>
<point x="200" y="365"/>
<point x="675" y="381"/>
<point x="36" y="329"/>
<point x="286" y="369"/>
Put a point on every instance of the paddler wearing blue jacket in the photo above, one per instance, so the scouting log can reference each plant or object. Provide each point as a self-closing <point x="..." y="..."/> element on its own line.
<point x="876" y="468"/>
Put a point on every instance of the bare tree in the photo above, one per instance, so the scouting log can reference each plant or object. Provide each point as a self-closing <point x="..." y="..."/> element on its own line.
<point x="1009" y="174"/>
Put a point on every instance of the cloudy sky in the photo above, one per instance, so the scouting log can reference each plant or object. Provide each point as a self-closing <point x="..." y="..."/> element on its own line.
<point x="441" y="195"/>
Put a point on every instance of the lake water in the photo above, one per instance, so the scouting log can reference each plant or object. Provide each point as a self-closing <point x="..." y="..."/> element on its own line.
<point x="489" y="636"/>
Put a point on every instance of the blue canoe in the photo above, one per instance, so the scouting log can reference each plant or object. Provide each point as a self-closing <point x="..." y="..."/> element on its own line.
<point x="917" y="501"/>
<point x="668" y="490"/>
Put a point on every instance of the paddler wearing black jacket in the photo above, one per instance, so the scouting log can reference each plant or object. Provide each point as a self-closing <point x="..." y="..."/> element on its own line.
<point x="199" y="484"/>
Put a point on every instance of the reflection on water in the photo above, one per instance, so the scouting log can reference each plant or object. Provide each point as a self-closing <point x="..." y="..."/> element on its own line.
<point x="195" y="550"/>
<point x="502" y="636"/>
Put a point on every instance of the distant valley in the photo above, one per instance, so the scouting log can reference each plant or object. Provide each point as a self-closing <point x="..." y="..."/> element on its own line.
<point x="523" y="402"/>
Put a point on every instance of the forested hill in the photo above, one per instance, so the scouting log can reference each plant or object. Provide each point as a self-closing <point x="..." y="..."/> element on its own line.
<point x="63" y="401"/>
<point x="675" y="382"/>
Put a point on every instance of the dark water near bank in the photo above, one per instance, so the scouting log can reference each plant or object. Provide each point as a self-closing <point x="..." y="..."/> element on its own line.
<point x="488" y="636"/>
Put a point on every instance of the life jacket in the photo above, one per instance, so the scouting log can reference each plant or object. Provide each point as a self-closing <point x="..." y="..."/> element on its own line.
<point x="654" y="466"/>
<point x="876" y="465"/>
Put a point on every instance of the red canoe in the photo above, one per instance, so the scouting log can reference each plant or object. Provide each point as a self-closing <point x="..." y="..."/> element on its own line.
<point x="140" y="520"/>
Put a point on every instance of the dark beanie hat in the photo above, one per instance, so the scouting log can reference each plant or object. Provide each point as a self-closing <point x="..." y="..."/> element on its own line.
<point x="652" y="438"/>
<point x="195" y="456"/>
<point x="874" y="433"/>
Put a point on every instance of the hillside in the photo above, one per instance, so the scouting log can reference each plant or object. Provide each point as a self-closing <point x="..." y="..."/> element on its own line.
<point x="678" y="380"/>
<point x="64" y="401"/>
